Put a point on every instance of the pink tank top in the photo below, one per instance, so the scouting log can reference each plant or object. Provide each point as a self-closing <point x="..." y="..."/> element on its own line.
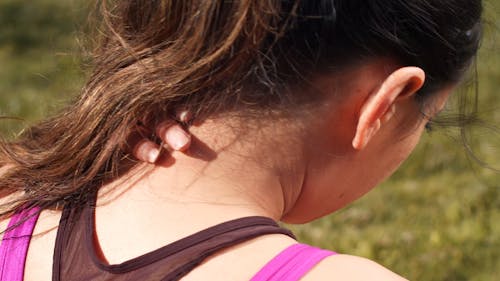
<point x="15" y="244"/>
<point x="290" y="265"/>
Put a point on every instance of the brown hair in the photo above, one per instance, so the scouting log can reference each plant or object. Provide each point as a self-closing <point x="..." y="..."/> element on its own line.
<point x="151" y="57"/>
<point x="208" y="56"/>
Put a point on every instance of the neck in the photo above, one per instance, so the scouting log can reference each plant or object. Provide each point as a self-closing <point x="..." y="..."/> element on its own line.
<point x="220" y="178"/>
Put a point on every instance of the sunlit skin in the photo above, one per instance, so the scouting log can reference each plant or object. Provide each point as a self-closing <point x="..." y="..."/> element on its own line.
<point x="293" y="169"/>
<point x="343" y="166"/>
<point x="301" y="169"/>
<point x="333" y="143"/>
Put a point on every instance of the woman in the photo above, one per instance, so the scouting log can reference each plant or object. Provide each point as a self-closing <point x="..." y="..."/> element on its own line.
<point x="296" y="109"/>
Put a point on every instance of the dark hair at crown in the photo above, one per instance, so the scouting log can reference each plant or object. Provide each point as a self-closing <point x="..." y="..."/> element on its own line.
<point x="441" y="36"/>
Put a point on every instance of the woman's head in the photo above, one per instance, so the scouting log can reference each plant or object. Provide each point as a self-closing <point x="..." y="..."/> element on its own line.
<point x="154" y="57"/>
<point x="205" y="54"/>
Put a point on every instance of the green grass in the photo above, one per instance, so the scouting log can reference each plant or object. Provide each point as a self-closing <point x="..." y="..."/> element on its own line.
<point x="39" y="66"/>
<point x="437" y="218"/>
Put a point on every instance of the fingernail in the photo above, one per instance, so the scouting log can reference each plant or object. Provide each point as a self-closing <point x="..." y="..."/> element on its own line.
<point x="153" y="155"/>
<point x="184" y="116"/>
<point x="176" y="137"/>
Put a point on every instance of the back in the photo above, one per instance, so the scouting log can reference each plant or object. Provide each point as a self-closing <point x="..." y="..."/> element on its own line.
<point x="291" y="263"/>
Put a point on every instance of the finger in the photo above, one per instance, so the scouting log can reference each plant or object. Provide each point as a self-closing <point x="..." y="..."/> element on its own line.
<point x="147" y="151"/>
<point x="174" y="136"/>
<point x="184" y="116"/>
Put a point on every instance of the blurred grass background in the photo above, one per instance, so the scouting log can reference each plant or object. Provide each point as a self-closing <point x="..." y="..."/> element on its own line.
<point x="437" y="218"/>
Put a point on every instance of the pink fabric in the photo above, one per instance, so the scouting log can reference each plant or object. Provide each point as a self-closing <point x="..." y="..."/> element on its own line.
<point x="15" y="244"/>
<point x="292" y="263"/>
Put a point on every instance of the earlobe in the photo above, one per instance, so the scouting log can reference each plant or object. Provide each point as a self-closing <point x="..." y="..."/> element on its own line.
<point x="380" y="106"/>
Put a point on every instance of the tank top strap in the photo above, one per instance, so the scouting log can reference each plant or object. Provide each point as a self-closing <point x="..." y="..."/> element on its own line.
<point x="226" y="235"/>
<point x="77" y="255"/>
<point x="292" y="263"/>
<point x="15" y="243"/>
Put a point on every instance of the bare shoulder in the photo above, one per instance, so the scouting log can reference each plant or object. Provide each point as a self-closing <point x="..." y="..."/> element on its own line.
<point x="4" y="198"/>
<point x="350" y="268"/>
<point x="3" y="226"/>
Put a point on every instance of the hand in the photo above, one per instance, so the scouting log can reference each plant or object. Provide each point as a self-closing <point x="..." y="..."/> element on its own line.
<point x="171" y="135"/>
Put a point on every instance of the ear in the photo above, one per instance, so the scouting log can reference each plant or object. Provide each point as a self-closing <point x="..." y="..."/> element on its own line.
<point x="380" y="106"/>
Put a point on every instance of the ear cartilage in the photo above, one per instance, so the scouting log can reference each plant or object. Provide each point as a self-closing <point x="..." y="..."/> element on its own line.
<point x="389" y="114"/>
